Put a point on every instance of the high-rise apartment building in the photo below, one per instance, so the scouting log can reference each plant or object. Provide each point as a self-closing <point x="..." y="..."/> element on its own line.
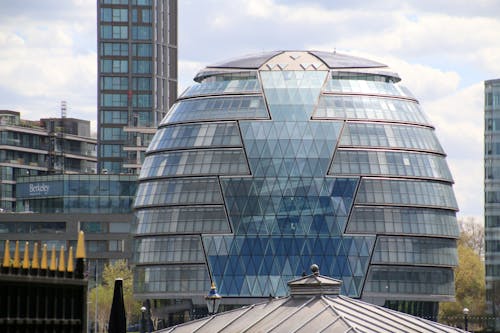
<point x="137" y="80"/>
<point x="492" y="193"/>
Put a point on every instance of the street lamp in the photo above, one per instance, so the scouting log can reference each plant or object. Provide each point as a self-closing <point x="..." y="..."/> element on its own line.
<point x="466" y="318"/>
<point x="143" y="320"/>
<point x="213" y="300"/>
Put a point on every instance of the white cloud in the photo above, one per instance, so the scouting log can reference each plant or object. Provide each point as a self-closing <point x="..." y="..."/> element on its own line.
<point x="44" y="63"/>
<point x="188" y="70"/>
<point x="425" y="82"/>
<point x="442" y="49"/>
<point x="458" y="118"/>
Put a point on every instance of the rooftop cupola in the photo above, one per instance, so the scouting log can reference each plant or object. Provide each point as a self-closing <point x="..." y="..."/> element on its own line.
<point x="314" y="285"/>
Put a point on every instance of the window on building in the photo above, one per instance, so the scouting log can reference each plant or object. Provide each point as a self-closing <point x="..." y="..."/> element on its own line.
<point x="113" y="133"/>
<point x="114" y="14"/>
<point x="142" y="50"/>
<point x="112" y="150"/>
<point x="93" y="227"/>
<point x="116" y="245"/>
<point x="141" y="66"/>
<point x="114" y="49"/>
<point x="141" y="83"/>
<point x="114" y="32"/>
<point x="96" y="246"/>
<point x="114" y="100"/>
<point x="114" y="66"/>
<point x="114" y="83"/>
<point x="141" y="100"/>
<point x="141" y="32"/>
<point x="114" y="117"/>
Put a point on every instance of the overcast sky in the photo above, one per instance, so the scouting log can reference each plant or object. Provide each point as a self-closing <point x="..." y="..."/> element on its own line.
<point x="442" y="49"/>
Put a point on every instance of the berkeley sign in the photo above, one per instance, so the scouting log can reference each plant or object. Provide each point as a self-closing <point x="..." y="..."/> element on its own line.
<point x="39" y="189"/>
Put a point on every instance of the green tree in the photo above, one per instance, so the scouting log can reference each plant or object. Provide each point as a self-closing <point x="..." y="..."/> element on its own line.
<point x="104" y="295"/>
<point x="469" y="278"/>
<point x="118" y="269"/>
<point x="472" y="234"/>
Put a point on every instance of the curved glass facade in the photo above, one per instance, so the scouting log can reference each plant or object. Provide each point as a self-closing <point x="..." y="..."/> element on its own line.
<point x="259" y="171"/>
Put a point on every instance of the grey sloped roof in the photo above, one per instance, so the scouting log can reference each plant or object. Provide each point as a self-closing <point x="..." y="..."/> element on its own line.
<point x="313" y="306"/>
<point x="332" y="60"/>
<point x="312" y="314"/>
<point x="249" y="61"/>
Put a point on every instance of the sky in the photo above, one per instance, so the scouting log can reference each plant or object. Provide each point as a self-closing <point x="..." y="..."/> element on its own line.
<point x="442" y="49"/>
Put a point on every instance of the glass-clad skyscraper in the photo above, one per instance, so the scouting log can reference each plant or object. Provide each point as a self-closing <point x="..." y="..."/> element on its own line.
<point x="275" y="161"/>
<point x="492" y="194"/>
<point x="137" y="77"/>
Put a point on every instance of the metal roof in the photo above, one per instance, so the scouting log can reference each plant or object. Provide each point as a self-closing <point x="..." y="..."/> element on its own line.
<point x="320" y="309"/>
<point x="332" y="61"/>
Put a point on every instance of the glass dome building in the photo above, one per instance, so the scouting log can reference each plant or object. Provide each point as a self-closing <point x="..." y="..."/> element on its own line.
<point x="273" y="162"/>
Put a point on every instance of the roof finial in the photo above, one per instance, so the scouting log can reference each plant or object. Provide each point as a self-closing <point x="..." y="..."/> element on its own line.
<point x="315" y="269"/>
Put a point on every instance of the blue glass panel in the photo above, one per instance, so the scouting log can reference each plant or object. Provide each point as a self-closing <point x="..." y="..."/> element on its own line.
<point x="403" y="220"/>
<point x="410" y="280"/>
<point x="181" y="278"/>
<point x="415" y="251"/>
<point x="367" y="87"/>
<point x="196" y="136"/>
<point x="240" y="271"/>
<point x="389" y="163"/>
<point x="390" y="136"/>
<point x="179" y="191"/>
<point x="271" y="205"/>
<point x="179" y="220"/>
<point x="406" y="192"/>
<point x="247" y="85"/>
<point x="195" y="162"/>
<point x="292" y="95"/>
<point x="217" y="108"/>
<point x="280" y="149"/>
<point x="170" y="249"/>
<point x="369" y="108"/>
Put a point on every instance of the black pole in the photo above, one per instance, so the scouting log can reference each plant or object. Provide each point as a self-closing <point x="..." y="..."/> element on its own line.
<point x="117" y="318"/>
<point x="142" y="328"/>
<point x="466" y="322"/>
<point x="149" y="321"/>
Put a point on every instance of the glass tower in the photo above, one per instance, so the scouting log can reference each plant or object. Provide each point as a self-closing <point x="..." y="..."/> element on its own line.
<point x="137" y="81"/>
<point x="273" y="162"/>
<point x="492" y="194"/>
